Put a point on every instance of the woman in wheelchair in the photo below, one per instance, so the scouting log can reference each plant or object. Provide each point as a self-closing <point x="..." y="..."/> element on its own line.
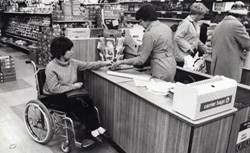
<point x="61" y="78"/>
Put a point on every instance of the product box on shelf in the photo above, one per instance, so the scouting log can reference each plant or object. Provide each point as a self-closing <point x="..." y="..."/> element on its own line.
<point x="7" y="78"/>
<point x="78" y="32"/>
<point x="7" y="69"/>
<point x="96" y="32"/>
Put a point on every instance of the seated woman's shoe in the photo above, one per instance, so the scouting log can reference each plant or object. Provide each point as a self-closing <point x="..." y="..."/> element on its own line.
<point x="96" y="135"/>
<point x="103" y="132"/>
<point x="105" y="135"/>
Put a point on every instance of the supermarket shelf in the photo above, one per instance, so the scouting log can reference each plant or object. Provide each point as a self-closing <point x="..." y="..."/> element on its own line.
<point x="129" y="12"/>
<point x="170" y="19"/>
<point x="182" y="12"/>
<point x="69" y="21"/>
<point x="141" y="1"/>
<point x="22" y="47"/>
<point x="39" y="25"/>
<point x="162" y="12"/>
<point x="133" y="20"/>
<point x="21" y="37"/>
<point x="115" y="3"/>
<point x="26" y="13"/>
<point x="159" y="18"/>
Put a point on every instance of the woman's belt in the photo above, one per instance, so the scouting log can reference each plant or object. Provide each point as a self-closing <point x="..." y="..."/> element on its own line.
<point x="161" y="55"/>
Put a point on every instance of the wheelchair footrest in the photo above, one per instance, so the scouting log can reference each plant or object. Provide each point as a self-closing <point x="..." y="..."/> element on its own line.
<point x="58" y="112"/>
<point x="87" y="142"/>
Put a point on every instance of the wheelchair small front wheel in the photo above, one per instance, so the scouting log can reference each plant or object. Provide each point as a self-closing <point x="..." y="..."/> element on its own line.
<point x="38" y="121"/>
<point x="65" y="146"/>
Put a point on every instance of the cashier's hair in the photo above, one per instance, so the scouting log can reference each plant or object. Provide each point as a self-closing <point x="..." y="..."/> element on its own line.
<point x="147" y="13"/>
<point x="59" y="46"/>
<point x="198" y="8"/>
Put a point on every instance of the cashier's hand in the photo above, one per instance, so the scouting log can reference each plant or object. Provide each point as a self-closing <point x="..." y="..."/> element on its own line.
<point x="115" y="64"/>
<point x="107" y="63"/>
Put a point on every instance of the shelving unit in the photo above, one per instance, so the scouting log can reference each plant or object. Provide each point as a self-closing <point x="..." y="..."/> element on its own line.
<point x="15" y="45"/>
<point x="21" y="37"/>
<point x="25" y="26"/>
<point x="26" y="13"/>
<point x="70" y="21"/>
<point x="166" y="12"/>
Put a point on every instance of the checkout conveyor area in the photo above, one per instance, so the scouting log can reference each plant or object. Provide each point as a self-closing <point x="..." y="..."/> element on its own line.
<point x="142" y="122"/>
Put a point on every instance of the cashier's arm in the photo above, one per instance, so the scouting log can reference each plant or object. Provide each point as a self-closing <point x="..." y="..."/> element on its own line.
<point x="144" y="51"/>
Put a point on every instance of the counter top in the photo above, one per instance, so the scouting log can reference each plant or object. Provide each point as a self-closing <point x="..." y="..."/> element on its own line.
<point x="160" y="101"/>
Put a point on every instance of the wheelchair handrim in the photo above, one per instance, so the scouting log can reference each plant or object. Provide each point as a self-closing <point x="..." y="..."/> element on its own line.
<point x="30" y="131"/>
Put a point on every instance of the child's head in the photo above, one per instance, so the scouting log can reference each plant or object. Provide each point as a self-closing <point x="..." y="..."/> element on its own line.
<point x="59" y="46"/>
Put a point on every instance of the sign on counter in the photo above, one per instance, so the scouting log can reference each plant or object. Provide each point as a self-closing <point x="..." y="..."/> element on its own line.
<point x="243" y="139"/>
<point x="216" y="103"/>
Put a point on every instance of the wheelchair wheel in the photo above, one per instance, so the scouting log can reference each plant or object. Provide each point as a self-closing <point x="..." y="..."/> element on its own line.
<point x="65" y="147"/>
<point x="38" y="121"/>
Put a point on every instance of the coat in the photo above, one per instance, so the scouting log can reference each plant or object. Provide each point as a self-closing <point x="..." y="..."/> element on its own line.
<point x="187" y="37"/>
<point x="229" y="41"/>
<point x="157" y="46"/>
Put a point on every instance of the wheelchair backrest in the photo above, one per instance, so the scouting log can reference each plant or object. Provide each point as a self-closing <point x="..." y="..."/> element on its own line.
<point x="41" y="77"/>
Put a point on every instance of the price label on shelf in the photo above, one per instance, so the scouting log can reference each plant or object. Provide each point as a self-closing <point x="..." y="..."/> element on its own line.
<point x="162" y="0"/>
<point x="163" y="12"/>
<point x="178" y="12"/>
<point x="198" y="0"/>
<point x="180" y="0"/>
<point x="148" y="0"/>
<point x="218" y="0"/>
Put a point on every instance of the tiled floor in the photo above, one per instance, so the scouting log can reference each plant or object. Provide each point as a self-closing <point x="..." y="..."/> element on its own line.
<point x="13" y="96"/>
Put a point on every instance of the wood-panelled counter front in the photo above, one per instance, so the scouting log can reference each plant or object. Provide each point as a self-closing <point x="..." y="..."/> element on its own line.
<point x="142" y="122"/>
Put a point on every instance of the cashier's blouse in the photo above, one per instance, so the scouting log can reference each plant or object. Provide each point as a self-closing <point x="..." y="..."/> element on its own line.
<point x="158" y="46"/>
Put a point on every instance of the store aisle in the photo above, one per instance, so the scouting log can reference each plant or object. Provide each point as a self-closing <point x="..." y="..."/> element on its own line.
<point x="13" y="97"/>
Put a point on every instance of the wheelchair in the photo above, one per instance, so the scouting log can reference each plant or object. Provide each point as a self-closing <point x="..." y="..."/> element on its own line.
<point x="42" y="121"/>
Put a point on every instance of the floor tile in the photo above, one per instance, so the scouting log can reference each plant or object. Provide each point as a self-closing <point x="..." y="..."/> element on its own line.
<point x="14" y="85"/>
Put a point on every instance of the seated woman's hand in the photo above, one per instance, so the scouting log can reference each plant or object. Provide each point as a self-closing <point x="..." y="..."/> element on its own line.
<point x="115" y="64"/>
<point x="106" y="63"/>
<point x="78" y="85"/>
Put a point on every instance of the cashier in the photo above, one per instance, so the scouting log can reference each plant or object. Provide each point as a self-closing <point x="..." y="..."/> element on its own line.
<point x="157" y="46"/>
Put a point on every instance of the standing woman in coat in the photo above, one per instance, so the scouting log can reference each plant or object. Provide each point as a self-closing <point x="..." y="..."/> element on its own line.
<point x="229" y="43"/>
<point x="157" y="46"/>
<point x="187" y="35"/>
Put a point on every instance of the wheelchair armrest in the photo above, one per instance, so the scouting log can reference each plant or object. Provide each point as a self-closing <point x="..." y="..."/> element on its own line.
<point x="77" y="93"/>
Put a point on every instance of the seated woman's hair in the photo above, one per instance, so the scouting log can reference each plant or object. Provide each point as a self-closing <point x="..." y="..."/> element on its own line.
<point x="147" y="13"/>
<point x="198" y="8"/>
<point x="59" y="46"/>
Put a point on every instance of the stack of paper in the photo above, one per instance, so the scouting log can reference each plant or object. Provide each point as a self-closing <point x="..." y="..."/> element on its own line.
<point x="144" y="77"/>
<point x="161" y="88"/>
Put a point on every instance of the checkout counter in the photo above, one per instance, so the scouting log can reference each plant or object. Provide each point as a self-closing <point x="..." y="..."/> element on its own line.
<point x="142" y="122"/>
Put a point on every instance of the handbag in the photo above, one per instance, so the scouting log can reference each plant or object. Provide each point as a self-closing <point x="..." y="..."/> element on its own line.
<point x="76" y="93"/>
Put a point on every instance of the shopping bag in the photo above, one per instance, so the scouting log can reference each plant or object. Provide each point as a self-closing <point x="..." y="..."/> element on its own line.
<point x="195" y="63"/>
